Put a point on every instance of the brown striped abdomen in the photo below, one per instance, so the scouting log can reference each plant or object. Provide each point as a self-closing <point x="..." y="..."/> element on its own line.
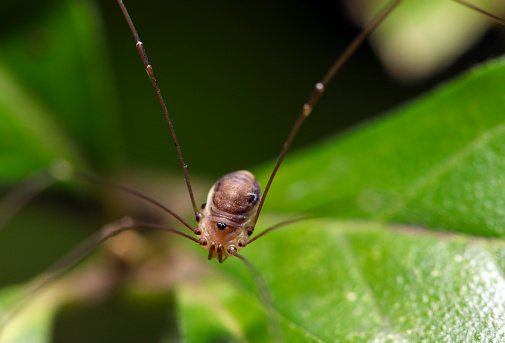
<point x="237" y="193"/>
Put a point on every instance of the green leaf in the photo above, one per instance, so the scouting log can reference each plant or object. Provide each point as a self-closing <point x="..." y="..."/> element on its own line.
<point x="436" y="163"/>
<point x="56" y="84"/>
<point x="27" y="130"/>
<point x="33" y="325"/>
<point x="424" y="36"/>
<point x="211" y="310"/>
<point x="359" y="282"/>
<point x="335" y="281"/>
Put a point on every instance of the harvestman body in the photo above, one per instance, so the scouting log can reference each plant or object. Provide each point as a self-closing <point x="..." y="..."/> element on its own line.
<point x="231" y="205"/>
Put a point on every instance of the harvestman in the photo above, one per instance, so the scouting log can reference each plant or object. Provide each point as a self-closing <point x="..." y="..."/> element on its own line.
<point x="234" y="203"/>
<point x="228" y="218"/>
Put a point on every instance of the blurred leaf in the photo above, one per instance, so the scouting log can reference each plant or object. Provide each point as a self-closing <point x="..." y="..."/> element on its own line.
<point x="59" y="59"/>
<point x="34" y="324"/>
<point x="29" y="139"/>
<point x="425" y="36"/>
<point x="208" y="311"/>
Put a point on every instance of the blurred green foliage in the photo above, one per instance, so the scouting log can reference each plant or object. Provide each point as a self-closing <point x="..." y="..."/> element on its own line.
<point x="234" y="77"/>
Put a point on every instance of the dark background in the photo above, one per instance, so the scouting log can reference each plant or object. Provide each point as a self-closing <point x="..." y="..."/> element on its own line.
<point x="235" y="74"/>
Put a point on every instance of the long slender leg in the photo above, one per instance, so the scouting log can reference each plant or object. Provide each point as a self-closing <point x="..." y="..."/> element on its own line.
<point x="318" y="91"/>
<point x="319" y="87"/>
<point x="18" y="197"/>
<point x="273" y="322"/>
<point x="277" y="226"/>
<point x="149" y="70"/>
<point x="122" y="188"/>
<point x="482" y="11"/>
<point x="76" y="255"/>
